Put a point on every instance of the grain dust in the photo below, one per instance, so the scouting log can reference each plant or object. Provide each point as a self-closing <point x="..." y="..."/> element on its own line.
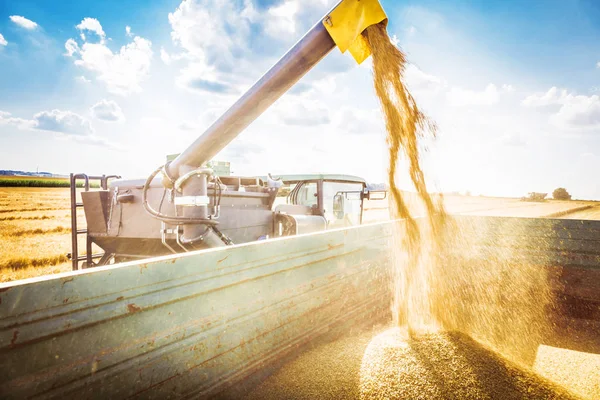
<point x="441" y="280"/>
<point x="468" y="318"/>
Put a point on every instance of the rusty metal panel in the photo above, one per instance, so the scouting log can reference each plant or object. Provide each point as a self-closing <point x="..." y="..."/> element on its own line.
<point x="186" y="325"/>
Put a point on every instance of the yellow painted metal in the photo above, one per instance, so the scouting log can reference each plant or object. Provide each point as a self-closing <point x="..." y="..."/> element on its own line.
<point x="348" y="20"/>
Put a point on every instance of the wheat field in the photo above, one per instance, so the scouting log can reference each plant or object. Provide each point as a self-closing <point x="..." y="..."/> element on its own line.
<point x="35" y="225"/>
<point x="35" y="231"/>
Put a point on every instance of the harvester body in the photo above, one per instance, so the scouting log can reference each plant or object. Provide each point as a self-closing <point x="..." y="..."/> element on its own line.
<point x="185" y="206"/>
<point x="248" y="210"/>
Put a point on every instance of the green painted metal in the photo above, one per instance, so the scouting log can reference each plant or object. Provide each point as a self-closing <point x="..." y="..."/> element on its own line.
<point x="191" y="325"/>
<point x="186" y="325"/>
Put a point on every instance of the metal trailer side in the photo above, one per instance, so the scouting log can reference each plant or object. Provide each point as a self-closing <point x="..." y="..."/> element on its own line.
<point x="192" y="325"/>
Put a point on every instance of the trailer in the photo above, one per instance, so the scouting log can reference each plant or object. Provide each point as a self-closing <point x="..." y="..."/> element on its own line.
<point x="206" y="285"/>
<point x="200" y="323"/>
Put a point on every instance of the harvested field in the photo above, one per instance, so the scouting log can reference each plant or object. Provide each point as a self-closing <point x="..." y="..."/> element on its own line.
<point x="377" y="210"/>
<point x="384" y="363"/>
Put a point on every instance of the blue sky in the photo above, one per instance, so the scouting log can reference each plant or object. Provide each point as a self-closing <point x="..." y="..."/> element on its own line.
<point x="114" y="86"/>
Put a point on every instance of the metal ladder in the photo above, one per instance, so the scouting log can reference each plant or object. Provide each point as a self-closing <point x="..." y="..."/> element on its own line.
<point x="88" y="257"/>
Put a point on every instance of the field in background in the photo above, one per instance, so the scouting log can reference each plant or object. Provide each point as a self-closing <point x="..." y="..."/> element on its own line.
<point x="36" y="181"/>
<point x="491" y="206"/>
<point x="35" y="224"/>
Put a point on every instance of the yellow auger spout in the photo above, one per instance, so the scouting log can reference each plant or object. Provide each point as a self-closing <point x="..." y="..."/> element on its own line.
<point x="348" y="20"/>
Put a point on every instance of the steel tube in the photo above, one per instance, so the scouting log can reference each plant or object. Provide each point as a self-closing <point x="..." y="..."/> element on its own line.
<point x="303" y="56"/>
<point x="74" y="248"/>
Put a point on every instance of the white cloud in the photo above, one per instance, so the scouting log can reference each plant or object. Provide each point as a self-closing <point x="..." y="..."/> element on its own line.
<point x="23" y="22"/>
<point x="123" y="71"/>
<point x="598" y="64"/>
<point x="241" y="151"/>
<point x="281" y="20"/>
<point x="419" y="80"/>
<point x="464" y="97"/>
<point x="66" y="122"/>
<point x="72" y="47"/>
<point x="82" y="79"/>
<point x="575" y="111"/>
<point x="579" y="112"/>
<point x="208" y="31"/>
<point x="302" y="111"/>
<point x="164" y="56"/>
<point x="359" y="121"/>
<point x="128" y="31"/>
<point x="107" y="110"/>
<point x="234" y="39"/>
<point x="3" y="41"/>
<point x="203" y="78"/>
<point x="20" y="123"/>
<point x="207" y="118"/>
<point x="91" y="25"/>
<point x="551" y="97"/>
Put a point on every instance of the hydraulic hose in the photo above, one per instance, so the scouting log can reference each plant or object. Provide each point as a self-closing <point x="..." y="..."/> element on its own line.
<point x="165" y="218"/>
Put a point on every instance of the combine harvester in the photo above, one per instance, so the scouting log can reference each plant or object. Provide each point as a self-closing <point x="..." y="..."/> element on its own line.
<point x="188" y="300"/>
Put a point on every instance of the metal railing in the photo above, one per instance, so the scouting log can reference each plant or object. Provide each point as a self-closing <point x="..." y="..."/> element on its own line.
<point x="75" y="232"/>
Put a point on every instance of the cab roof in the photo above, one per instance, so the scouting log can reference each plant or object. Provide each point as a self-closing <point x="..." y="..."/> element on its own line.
<point x="315" y="177"/>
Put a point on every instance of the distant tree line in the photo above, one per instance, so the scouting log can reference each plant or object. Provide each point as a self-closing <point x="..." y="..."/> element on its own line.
<point x="557" y="194"/>
<point x="561" y="194"/>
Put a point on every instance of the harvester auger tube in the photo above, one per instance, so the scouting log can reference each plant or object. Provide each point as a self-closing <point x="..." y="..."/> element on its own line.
<point x="342" y="26"/>
<point x="184" y="205"/>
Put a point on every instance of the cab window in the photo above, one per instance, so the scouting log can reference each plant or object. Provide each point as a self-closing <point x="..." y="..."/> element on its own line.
<point x="342" y="203"/>
<point x="307" y="194"/>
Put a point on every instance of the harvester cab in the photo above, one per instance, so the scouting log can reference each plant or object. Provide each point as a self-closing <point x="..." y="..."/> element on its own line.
<point x="335" y="201"/>
<point x="184" y="205"/>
